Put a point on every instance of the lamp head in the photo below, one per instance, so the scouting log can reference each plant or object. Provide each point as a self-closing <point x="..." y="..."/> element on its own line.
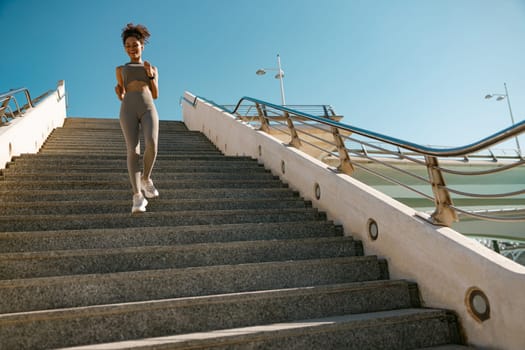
<point x="260" y="72"/>
<point x="500" y="98"/>
<point x="488" y="96"/>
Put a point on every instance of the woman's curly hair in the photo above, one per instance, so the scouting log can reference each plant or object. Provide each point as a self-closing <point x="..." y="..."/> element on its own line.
<point x="138" y="31"/>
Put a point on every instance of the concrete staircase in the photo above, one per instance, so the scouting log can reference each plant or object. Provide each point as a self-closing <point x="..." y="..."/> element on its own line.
<point x="227" y="258"/>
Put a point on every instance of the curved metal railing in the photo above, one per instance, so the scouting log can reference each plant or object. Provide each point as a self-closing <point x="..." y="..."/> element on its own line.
<point x="420" y="169"/>
<point x="10" y="108"/>
<point x="8" y="99"/>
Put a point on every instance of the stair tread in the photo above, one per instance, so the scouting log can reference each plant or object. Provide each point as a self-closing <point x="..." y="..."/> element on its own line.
<point x="190" y="229"/>
<point x="139" y="236"/>
<point x="109" y="288"/>
<point x="122" y="206"/>
<point x="125" y="275"/>
<point x="159" y="249"/>
<point x="111" y="309"/>
<point x="150" y="214"/>
<point x="107" y="260"/>
<point x="281" y="330"/>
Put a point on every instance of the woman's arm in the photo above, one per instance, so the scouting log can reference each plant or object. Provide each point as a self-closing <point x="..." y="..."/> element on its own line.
<point x="152" y="71"/>
<point x="119" y="89"/>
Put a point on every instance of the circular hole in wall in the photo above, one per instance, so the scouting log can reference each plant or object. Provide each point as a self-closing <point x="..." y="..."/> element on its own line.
<point x="283" y="167"/>
<point x="260" y="150"/>
<point x="373" y="229"/>
<point x="477" y="304"/>
<point x="317" y="191"/>
<point x="10" y="150"/>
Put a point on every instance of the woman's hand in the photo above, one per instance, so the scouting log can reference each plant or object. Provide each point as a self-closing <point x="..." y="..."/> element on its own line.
<point x="119" y="89"/>
<point x="153" y="74"/>
<point x="120" y="92"/>
<point x="150" y="71"/>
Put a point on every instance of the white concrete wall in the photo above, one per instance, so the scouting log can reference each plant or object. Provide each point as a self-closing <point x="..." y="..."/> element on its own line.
<point x="27" y="134"/>
<point x="444" y="263"/>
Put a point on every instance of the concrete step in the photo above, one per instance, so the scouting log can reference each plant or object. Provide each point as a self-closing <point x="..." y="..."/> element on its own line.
<point x="93" y="159"/>
<point x="51" y="175"/>
<point x="170" y="193"/>
<point x="71" y="121"/>
<point x="116" y="288"/>
<point x="90" y="137"/>
<point x="119" y="149"/>
<point x="151" y="219"/>
<point x="195" y="154"/>
<point x="386" y="330"/>
<point x="114" y="136"/>
<point x="116" y="130"/>
<point x="96" y="144"/>
<point x="89" y="261"/>
<point x="105" y="151"/>
<point x="117" y="322"/>
<point x="105" y="123"/>
<point x="159" y="204"/>
<point x="44" y="159"/>
<point x="120" y="173"/>
<point x="157" y="171"/>
<point x="10" y="185"/>
<point x="196" y="158"/>
<point x="121" y="164"/>
<point x="33" y="241"/>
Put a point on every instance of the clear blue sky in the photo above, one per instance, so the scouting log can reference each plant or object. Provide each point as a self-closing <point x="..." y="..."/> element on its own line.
<point x="412" y="69"/>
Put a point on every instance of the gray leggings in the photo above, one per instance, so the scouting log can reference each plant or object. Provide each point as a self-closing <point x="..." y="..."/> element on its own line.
<point x="138" y="108"/>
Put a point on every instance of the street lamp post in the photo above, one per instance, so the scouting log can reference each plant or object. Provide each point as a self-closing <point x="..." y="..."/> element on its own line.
<point x="279" y="75"/>
<point x="500" y="97"/>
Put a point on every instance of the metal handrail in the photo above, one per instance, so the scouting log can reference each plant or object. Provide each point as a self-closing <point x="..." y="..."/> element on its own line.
<point x="438" y="152"/>
<point x="425" y="156"/>
<point x="326" y="111"/>
<point x="11" y="94"/>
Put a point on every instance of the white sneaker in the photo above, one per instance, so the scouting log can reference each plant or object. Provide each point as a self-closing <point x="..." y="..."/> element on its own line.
<point x="139" y="203"/>
<point x="149" y="189"/>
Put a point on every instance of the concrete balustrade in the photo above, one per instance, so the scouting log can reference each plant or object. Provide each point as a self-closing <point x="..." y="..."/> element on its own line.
<point x="28" y="133"/>
<point x="447" y="266"/>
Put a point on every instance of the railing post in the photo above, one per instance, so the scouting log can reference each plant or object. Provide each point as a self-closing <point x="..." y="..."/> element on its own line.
<point x="264" y="122"/>
<point x="28" y="97"/>
<point x="325" y="112"/>
<point x="344" y="166"/>
<point x="295" y="141"/>
<point x="444" y="214"/>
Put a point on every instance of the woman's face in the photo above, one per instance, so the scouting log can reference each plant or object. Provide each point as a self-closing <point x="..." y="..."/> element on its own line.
<point x="133" y="48"/>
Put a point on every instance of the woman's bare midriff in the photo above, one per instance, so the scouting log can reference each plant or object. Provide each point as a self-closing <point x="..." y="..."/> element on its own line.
<point x="137" y="85"/>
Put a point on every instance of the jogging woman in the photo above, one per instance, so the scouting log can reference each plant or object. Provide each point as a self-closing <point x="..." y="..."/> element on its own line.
<point x="137" y="87"/>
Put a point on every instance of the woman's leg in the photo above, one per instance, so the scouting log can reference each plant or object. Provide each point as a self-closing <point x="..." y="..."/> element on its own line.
<point x="150" y="127"/>
<point x="130" y="128"/>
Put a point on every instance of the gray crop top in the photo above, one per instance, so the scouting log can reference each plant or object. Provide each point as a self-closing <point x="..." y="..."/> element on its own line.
<point x="134" y="71"/>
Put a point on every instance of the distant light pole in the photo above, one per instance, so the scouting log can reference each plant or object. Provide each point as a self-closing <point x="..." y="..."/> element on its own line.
<point x="279" y="75"/>
<point x="500" y="97"/>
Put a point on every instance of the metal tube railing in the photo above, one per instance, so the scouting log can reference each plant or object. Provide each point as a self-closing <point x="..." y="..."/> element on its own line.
<point x="439" y="152"/>
<point x="425" y="157"/>
<point x="11" y="96"/>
